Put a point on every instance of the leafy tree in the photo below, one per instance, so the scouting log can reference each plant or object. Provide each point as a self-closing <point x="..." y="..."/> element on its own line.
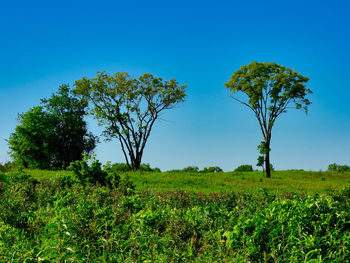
<point x="261" y="161"/>
<point x="52" y="135"/>
<point x="72" y="138"/>
<point x="29" y="144"/>
<point x="128" y="107"/>
<point x="271" y="89"/>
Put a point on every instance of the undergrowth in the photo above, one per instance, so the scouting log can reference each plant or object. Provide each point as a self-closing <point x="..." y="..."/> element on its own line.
<point x="62" y="220"/>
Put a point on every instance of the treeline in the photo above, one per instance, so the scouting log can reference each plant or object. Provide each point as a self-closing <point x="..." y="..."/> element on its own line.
<point x="54" y="134"/>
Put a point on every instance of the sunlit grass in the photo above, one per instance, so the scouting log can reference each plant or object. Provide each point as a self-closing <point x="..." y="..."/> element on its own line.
<point x="292" y="181"/>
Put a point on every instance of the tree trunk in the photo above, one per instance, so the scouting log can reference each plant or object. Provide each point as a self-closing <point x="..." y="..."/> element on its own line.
<point x="136" y="165"/>
<point x="267" y="162"/>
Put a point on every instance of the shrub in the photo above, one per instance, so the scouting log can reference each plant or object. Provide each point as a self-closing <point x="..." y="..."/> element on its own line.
<point x="145" y="167"/>
<point x="194" y="169"/>
<point x="93" y="173"/>
<point x="123" y="167"/>
<point x="119" y="167"/>
<point x="211" y="169"/>
<point x="244" y="168"/>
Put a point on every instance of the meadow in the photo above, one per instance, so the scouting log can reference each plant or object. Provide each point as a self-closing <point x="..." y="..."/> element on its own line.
<point x="296" y="216"/>
<point x="281" y="182"/>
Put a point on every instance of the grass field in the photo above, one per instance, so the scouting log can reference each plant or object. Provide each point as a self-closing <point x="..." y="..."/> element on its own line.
<point x="291" y="181"/>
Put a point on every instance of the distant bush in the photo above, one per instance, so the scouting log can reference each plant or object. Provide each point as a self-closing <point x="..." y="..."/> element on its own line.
<point x="194" y="169"/>
<point x="211" y="169"/>
<point x="123" y="167"/>
<point x="93" y="173"/>
<point x="333" y="167"/>
<point x="244" y="168"/>
<point x="119" y="167"/>
<point x="145" y="167"/>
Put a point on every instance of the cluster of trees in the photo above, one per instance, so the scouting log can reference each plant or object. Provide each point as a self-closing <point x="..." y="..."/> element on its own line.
<point x="333" y="167"/>
<point x="54" y="134"/>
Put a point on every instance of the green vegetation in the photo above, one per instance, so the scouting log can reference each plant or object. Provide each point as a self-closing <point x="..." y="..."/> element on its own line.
<point x="244" y="168"/>
<point x="283" y="182"/>
<point x="61" y="220"/>
<point x="134" y="213"/>
<point x="271" y="90"/>
<point x="338" y="168"/>
<point x="128" y="107"/>
<point x="52" y="135"/>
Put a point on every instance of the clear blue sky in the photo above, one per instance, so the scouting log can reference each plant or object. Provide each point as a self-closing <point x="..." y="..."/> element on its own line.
<point x="200" y="43"/>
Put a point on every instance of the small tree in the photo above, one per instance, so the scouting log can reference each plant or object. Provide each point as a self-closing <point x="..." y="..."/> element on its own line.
<point x="271" y="89"/>
<point x="261" y="161"/>
<point x="128" y="107"/>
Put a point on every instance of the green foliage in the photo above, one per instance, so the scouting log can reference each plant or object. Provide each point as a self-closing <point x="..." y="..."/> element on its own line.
<point x="53" y="135"/>
<point x="270" y="89"/>
<point x="263" y="148"/>
<point x="261" y="161"/>
<point x="244" y="168"/>
<point x="128" y="107"/>
<point x="145" y="167"/>
<point x="119" y="167"/>
<point x="48" y="222"/>
<point x="123" y="167"/>
<point x="333" y="167"/>
<point x="211" y="169"/>
<point x="93" y="173"/>
<point x="192" y="169"/>
<point x="284" y="182"/>
<point x="3" y="178"/>
<point x="6" y="167"/>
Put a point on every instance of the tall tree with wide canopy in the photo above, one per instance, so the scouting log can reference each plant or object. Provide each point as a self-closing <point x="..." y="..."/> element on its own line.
<point x="128" y="107"/>
<point x="270" y="90"/>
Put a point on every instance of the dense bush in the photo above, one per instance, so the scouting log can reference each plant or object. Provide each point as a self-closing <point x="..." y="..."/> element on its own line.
<point x="123" y="167"/>
<point x="51" y="221"/>
<point x="193" y="169"/>
<point x="333" y="167"/>
<point x="244" y="168"/>
<point x="93" y="173"/>
<point x="211" y="169"/>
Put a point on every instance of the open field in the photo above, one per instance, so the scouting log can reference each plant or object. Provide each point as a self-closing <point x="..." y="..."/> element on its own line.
<point x="292" y="181"/>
